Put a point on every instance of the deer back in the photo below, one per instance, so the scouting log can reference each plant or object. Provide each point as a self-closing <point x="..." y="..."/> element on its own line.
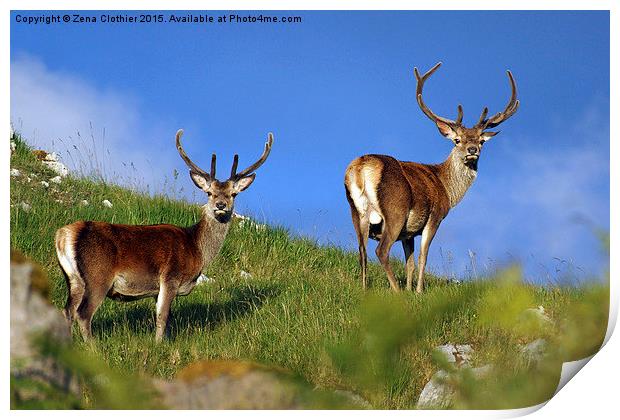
<point x="396" y="190"/>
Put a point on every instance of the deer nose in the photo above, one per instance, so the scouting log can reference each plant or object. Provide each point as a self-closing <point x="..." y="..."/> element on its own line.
<point x="472" y="150"/>
<point x="220" y="205"/>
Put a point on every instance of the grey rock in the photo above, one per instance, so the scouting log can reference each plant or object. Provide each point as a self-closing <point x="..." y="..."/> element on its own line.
<point x="537" y="314"/>
<point x="240" y="216"/>
<point x="482" y="372"/>
<point x="229" y="384"/>
<point x="25" y="207"/>
<point x="52" y="162"/>
<point x="535" y="350"/>
<point x="355" y="399"/>
<point x="202" y="279"/>
<point x="33" y="316"/>
<point x="459" y="354"/>
<point x="245" y="221"/>
<point x="437" y="393"/>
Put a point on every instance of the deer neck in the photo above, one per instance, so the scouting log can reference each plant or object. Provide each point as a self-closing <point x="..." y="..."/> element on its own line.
<point x="457" y="177"/>
<point x="209" y="236"/>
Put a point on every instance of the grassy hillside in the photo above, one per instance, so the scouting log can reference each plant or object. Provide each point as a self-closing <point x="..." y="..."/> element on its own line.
<point x="302" y="308"/>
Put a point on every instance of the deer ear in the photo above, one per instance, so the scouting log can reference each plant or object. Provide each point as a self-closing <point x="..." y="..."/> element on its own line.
<point x="488" y="135"/>
<point x="199" y="180"/>
<point x="244" y="182"/>
<point x="446" y="130"/>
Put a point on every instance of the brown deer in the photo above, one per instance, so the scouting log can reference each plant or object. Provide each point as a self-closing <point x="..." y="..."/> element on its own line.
<point x="126" y="262"/>
<point x="397" y="200"/>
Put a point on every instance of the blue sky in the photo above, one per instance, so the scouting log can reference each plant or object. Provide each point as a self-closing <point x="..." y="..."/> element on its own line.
<point x="336" y="86"/>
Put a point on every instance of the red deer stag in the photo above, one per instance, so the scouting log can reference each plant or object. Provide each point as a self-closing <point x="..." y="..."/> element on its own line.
<point x="396" y="200"/>
<point x="125" y="262"/>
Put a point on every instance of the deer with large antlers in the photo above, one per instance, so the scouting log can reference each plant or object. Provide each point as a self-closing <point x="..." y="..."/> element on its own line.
<point x="394" y="200"/>
<point x="126" y="262"/>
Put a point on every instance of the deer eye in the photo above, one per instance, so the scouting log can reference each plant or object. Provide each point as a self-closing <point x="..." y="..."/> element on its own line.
<point x="233" y="195"/>
<point x="481" y="142"/>
<point x="209" y="193"/>
<point x="457" y="141"/>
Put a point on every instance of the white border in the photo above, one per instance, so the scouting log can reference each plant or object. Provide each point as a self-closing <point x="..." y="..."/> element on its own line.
<point x="594" y="393"/>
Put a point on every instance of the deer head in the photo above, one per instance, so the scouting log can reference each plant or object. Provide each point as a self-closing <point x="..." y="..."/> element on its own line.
<point x="467" y="141"/>
<point x="221" y="194"/>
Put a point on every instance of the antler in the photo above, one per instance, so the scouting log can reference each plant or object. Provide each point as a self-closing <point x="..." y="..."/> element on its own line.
<point x="191" y="164"/>
<point x="213" y="159"/>
<point x="233" y="172"/>
<point x="483" y="115"/>
<point x="430" y="114"/>
<point x="234" y="175"/>
<point x="500" y="117"/>
<point x="459" y="115"/>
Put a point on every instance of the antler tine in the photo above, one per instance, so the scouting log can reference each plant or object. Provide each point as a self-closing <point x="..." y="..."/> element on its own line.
<point x="459" y="115"/>
<point x="213" y="159"/>
<point x="233" y="170"/>
<point x="259" y="162"/>
<point x="482" y="119"/>
<point x="511" y="107"/>
<point x="427" y="74"/>
<point x="187" y="160"/>
<point x="418" y="93"/>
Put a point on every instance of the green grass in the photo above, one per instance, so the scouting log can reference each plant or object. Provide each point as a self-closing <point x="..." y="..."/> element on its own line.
<point x="303" y="309"/>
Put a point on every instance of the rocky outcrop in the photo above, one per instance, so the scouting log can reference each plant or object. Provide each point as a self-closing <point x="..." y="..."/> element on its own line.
<point x="230" y="384"/>
<point x="459" y="354"/>
<point x="51" y="161"/>
<point x="535" y="351"/>
<point x="237" y="384"/>
<point x="439" y="393"/>
<point x="32" y="318"/>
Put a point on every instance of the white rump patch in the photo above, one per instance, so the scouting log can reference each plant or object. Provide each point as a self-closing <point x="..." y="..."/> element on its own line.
<point x="370" y="193"/>
<point x="359" y="199"/>
<point x="365" y="198"/>
<point x="375" y="218"/>
<point x="66" y="256"/>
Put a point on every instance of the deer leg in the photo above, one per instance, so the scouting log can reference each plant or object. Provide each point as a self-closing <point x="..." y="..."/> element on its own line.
<point x="363" y="244"/>
<point x="427" y="237"/>
<point x="408" y="245"/>
<point x="167" y="292"/>
<point x="91" y="300"/>
<point x="362" y="238"/>
<point x="388" y="237"/>
<point x="362" y="226"/>
<point x="75" y="292"/>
